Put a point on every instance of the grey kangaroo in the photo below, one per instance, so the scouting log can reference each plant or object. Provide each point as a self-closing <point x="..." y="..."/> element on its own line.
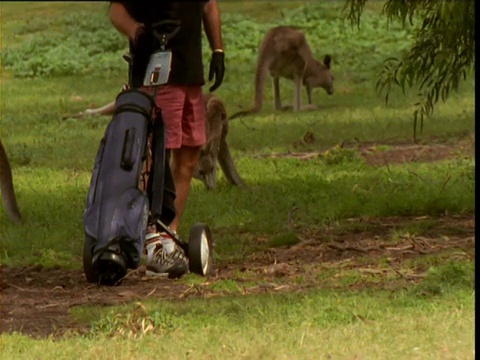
<point x="285" y="53"/>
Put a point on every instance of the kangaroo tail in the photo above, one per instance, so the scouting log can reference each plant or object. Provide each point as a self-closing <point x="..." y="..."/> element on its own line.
<point x="228" y="166"/>
<point x="6" y="187"/>
<point x="260" y="76"/>
<point x="243" y="113"/>
<point x="107" y="109"/>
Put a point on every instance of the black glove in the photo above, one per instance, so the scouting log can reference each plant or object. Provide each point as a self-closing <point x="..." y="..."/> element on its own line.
<point x="217" y="69"/>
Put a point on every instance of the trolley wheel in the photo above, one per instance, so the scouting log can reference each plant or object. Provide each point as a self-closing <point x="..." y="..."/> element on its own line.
<point x="88" y="269"/>
<point x="200" y="250"/>
<point x="109" y="268"/>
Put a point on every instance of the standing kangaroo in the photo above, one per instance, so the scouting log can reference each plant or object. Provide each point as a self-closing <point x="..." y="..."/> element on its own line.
<point x="6" y="187"/>
<point x="216" y="149"/>
<point x="285" y="53"/>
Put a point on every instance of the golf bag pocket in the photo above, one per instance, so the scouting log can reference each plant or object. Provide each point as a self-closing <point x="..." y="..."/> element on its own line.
<point x="116" y="211"/>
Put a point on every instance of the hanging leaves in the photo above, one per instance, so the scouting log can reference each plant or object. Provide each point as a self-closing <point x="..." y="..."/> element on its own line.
<point x="441" y="55"/>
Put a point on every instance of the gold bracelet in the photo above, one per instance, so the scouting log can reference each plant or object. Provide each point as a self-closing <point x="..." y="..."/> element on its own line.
<point x="218" y="50"/>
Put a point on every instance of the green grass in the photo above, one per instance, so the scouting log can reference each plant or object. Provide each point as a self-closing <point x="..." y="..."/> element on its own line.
<point x="52" y="200"/>
<point x="52" y="160"/>
<point x="318" y="325"/>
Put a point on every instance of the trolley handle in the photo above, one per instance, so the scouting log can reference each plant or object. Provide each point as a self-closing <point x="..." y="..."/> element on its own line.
<point x="164" y="36"/>
<point x="159" y="31"/>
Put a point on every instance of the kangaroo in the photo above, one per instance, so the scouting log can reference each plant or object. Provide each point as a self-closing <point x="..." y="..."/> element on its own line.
<point x="215" y="151"/>
<point x="6" y="187"/>
<point x="285" y="53"/>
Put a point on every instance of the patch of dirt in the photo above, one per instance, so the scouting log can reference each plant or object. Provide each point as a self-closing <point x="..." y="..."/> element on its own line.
<point x="408" y="152"/>
<point x="382" y="154"/>
<point x="37" y="301"/>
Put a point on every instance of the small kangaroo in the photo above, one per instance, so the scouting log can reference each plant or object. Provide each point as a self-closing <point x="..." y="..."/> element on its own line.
<point x="285" y="53"/>
<point x="215" y="151"/>
<point x="6" y="187"/>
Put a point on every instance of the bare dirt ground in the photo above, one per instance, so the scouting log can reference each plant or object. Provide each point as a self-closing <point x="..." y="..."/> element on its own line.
<point x="37" y="301"/>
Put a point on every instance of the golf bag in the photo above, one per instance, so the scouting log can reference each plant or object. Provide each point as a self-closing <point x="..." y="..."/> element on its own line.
<point x="117" y="211"/>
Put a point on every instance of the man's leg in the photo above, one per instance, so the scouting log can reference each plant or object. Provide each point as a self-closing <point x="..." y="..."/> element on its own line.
<point x="184" y="117"/>
<point x="185" y="158"/>
<point x="163" y="256"/>
<point x="184" y="162"/>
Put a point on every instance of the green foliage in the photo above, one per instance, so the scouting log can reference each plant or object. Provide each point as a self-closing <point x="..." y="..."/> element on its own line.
<point x="447" y="277"/>
<point x="354" y="55"/>
<point x="86" y="42"/>
<point x="50" y="258"/>
<point x="441" y="55"/>
<point x="78" y="43"/>
<point x="284" y="239"/>
<point x="134" y="323"/>
<point x="339" y="155"/>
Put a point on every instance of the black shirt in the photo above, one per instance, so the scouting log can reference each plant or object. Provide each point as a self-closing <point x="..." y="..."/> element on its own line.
<point x="186" y="45"/>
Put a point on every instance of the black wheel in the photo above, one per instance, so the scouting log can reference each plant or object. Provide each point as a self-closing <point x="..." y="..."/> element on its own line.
<point x="200" y="250"/>
<point x="90" y="273"/>
<point x="109" y="268"/>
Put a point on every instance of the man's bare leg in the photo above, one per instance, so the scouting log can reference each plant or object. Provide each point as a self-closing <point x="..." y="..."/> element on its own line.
<point x="163" y="256"/>
<point x="184" y="162"/>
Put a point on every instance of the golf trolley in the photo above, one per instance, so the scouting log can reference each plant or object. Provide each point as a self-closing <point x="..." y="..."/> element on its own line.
<point x="132" y="185"/>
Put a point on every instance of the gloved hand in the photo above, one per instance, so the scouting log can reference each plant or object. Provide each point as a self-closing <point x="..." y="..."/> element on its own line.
<point x="217" y="69"/>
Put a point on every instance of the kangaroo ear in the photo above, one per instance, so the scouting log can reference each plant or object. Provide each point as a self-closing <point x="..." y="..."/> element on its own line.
<point x="327" y="60"/>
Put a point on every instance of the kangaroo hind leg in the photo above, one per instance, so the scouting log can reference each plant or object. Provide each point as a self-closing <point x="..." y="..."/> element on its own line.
<point x="277" y="102"/>
<point x="297" y="96"/>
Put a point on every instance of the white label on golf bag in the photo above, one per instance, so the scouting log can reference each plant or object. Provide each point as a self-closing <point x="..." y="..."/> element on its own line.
<point x="158" y="68"/>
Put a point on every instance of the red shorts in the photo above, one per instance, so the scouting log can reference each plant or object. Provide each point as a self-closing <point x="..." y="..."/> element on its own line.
<point x="183" y="114"/>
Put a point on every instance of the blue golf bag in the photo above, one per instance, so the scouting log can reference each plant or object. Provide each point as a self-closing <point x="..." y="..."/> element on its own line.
<point x="117" y="210"/>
